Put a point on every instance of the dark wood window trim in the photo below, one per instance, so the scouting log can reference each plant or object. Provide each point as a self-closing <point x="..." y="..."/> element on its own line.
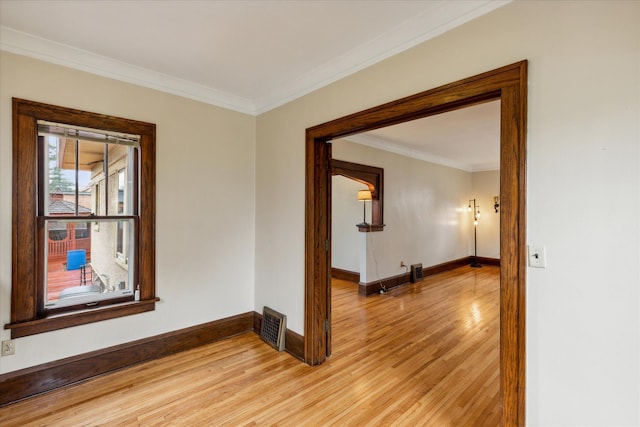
<point x="373" y="178"/>
<point x="27" y="318"/>
<point x="509" y="85"/>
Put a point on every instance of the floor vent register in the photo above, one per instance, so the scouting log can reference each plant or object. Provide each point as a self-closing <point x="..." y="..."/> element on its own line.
<point x="274" y="325"/>
<point x="416" y="273"/>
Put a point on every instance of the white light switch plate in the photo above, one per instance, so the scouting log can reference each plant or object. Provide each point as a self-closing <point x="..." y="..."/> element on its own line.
<point x="537" y="256"/>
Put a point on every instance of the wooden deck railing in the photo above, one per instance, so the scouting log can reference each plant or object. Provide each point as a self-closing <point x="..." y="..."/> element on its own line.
<point x="57" y="247"/>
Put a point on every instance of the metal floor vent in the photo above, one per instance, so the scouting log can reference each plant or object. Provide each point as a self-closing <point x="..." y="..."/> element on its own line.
<point x="274" y="325"/>
<point x="416" y="273"/>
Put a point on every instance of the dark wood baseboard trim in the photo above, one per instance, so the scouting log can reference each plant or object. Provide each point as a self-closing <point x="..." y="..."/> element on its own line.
<point x="29" y="382"/>
<point x="446" y="266"/>
<point x="349" y="276"/>
<point x="366" y="289"/>
<point x="293" y="342"/>
<point x="488" y="261"/>
<point x="371" y="288"/>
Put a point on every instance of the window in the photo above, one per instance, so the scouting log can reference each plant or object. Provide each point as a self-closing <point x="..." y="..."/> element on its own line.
<point x="83" y="231"/>
<point x="83" y="217"/>
<point x="86" y="268"/>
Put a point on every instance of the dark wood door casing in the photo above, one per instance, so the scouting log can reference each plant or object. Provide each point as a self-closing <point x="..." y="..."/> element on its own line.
<point x="509" y="85"/>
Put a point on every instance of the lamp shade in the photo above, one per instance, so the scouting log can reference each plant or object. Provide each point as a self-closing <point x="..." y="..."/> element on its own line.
<point x="364" y="195"/>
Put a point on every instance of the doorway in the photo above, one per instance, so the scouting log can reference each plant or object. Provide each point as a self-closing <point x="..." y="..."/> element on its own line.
<point x="509" y="85"/>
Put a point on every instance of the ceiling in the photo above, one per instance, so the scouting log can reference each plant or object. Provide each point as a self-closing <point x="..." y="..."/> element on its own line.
<point x="249" y="56"/>
<point x="467" y="139"/>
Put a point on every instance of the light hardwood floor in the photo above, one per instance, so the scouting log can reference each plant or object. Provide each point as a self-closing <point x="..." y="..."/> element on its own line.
<point x="424" y="354"/>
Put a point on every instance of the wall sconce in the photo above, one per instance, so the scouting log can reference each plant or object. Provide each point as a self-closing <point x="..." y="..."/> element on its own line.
<point x="496" y="203"/>
<point x="363" y="196"/>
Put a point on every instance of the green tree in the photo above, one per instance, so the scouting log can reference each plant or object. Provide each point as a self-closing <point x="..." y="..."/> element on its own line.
<point x="57" y="180"/>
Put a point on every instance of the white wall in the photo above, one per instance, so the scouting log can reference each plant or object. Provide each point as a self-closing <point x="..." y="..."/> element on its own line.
<point x="205" y="206"/>
<point x="346" y="212"/>
<point x="484" y="186"/>
<point x="423" y="212"/>
<point x="583" y="192"/>
<point x="429" y="222"/>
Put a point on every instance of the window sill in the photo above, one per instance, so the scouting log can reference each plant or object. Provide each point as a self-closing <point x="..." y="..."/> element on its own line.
<point x="81" y="317"/>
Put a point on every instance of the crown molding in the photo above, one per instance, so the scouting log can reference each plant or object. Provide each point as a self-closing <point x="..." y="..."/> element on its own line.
<point x="439" y="18"/>
<point x="392" y="147"/>
<point x="442" y="16"/>
<point x="68" y="56"/>
<point x="386" y="145"/>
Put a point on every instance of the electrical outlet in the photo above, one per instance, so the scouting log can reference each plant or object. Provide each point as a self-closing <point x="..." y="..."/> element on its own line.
<point x="8" y="348"/>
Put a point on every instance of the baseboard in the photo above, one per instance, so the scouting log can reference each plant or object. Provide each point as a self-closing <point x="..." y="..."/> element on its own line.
<point x="28" y="382"/>
<point x="371" y="288"/>
<point x="366" y="289"/>
<point x="349" y="276"/>
<point x="488" y="261"/>
<point x="293" y="342"/>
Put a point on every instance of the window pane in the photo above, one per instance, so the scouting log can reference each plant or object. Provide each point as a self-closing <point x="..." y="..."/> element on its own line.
<point x="64" y="176"/>
<point x="77" y="160"/>
<point x="90" y="263"/>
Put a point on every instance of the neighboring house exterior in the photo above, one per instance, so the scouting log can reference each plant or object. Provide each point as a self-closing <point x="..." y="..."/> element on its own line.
<point x="110" y="247"/>
<point x="63" y="236"/>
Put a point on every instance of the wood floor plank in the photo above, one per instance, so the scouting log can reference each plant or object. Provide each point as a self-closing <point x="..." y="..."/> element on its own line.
<point x="422" y="354"/>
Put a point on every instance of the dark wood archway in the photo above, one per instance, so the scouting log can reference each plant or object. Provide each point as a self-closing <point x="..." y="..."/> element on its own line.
<point x="373" y="178"/>
<point x="509" y="85"/>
